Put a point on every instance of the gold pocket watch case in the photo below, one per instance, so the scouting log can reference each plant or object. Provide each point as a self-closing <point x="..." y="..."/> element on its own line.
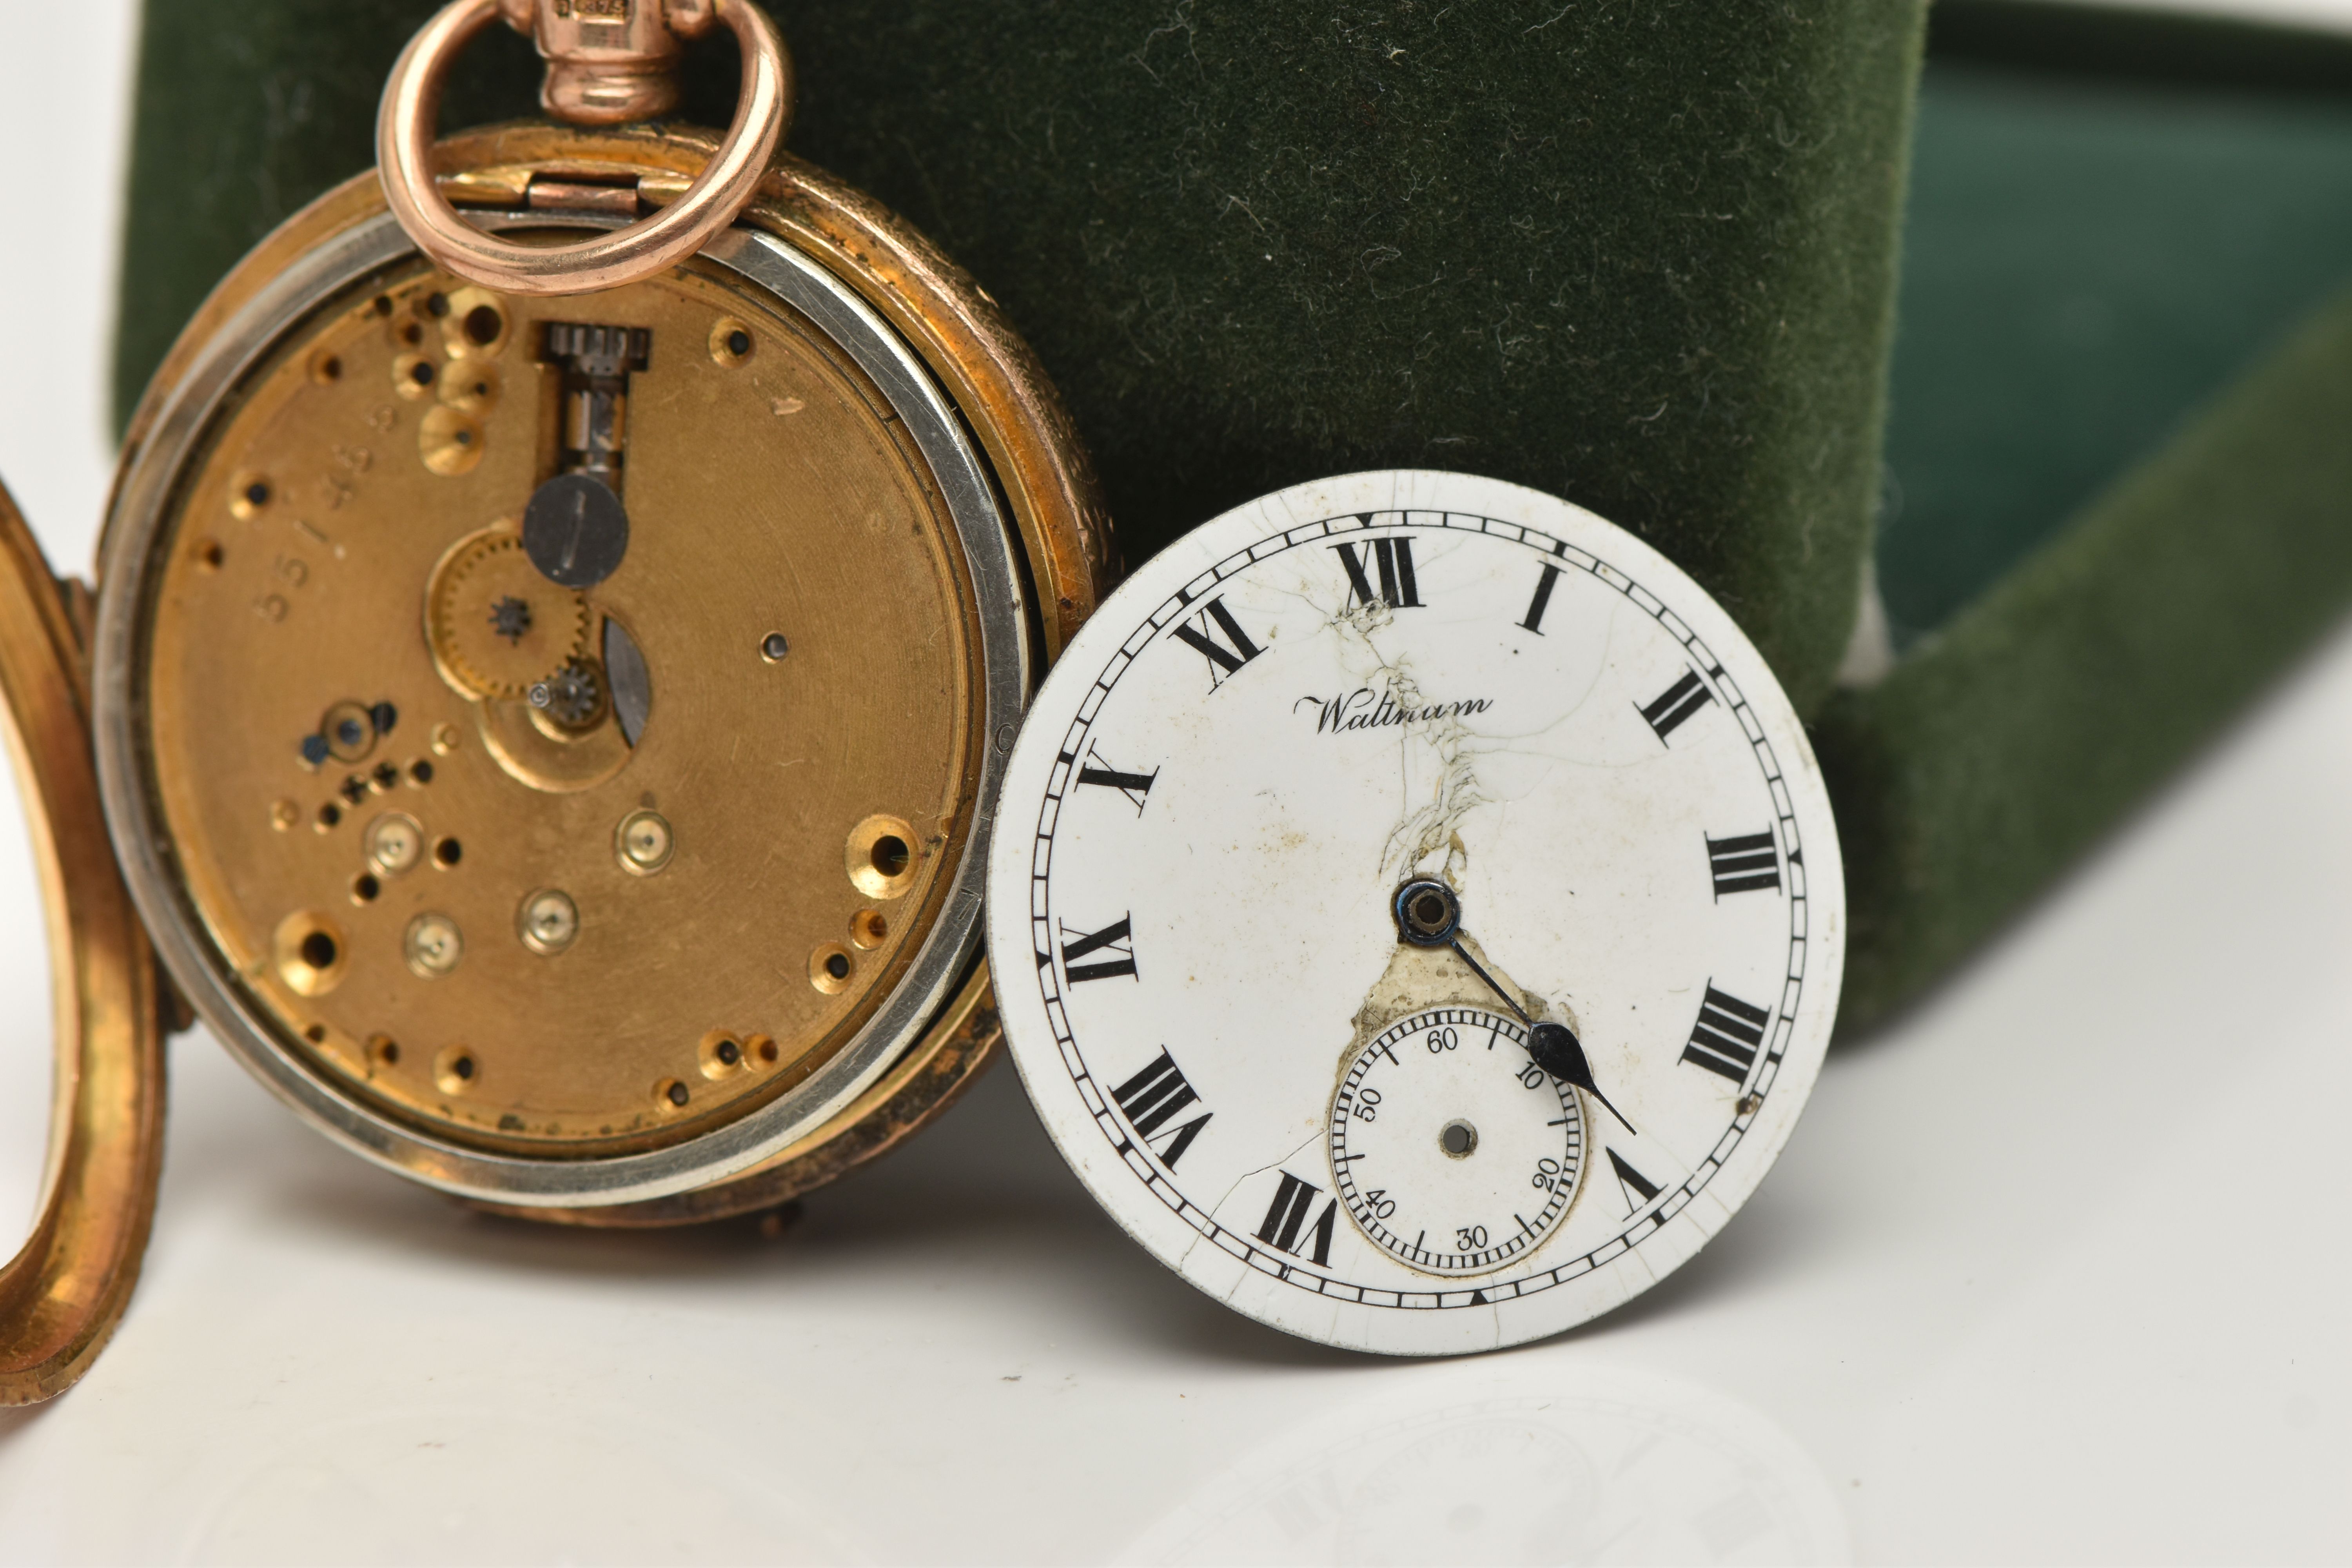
<point x="551" y="739"/>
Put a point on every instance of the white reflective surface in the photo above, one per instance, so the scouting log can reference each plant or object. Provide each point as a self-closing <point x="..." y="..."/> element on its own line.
<point x="2055" y="1270"/>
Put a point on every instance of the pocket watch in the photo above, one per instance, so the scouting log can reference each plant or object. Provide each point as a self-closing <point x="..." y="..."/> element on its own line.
<point x="562" y="620"/>
<point x="1416" y="911"/>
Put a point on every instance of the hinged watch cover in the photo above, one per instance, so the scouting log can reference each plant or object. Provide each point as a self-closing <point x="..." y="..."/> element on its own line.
<point x="63" y="1292"/>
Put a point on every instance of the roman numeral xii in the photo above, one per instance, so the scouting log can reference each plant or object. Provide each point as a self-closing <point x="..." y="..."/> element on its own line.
<point x="1392" y="560"/>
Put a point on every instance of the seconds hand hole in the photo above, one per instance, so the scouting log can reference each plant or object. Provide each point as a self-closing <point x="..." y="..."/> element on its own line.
<point x="1457" y="1138"/>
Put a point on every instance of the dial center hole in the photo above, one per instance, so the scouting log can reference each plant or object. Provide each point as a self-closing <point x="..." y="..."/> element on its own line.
<point x="1458" y="1139"/>
<point x="1426" y="912"/>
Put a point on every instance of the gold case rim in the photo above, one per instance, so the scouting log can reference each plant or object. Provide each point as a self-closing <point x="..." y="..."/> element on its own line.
<point x="62" y="1294"/>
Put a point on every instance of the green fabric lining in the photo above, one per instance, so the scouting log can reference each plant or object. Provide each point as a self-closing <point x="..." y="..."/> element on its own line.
<point x="2086" y="261"/>
<point x="2004" y="747"/>
<point x="2099" y="545"/>
<point x="1639" y="256"/>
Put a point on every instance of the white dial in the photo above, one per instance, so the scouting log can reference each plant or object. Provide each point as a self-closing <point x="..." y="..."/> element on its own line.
<point x="1451" y="1151"/>
<point x="1391" y="755"/>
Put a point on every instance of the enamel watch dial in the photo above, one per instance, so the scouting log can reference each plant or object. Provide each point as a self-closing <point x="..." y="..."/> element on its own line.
<point x="1417" y="912"/>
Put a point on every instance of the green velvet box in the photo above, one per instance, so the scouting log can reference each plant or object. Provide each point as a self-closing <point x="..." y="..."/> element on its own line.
<point x="2119" y="458"/>
<point x="1645" y="258"/>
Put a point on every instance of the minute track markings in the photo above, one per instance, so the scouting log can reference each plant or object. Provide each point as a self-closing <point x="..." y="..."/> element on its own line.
<point x="1278" y="541"/>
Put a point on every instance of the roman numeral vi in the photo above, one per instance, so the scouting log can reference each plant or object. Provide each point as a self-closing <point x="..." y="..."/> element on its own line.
<point x="1392" y="559"/>
<point x="1744" y="864"/>
<point x="1677" y="702"/>
<point x="1286" y="1216"/>
<point x="1725" y="1038"/>
<point x="1150" y="1100"/>
<point x="1226" y="656"/>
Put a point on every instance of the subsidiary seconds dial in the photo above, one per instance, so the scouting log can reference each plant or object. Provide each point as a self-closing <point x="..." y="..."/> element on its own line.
<point x="1454" y="1153"/>
<point x="1415" y="913"/>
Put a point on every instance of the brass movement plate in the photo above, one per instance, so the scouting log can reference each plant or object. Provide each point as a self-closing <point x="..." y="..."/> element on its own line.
<point x="770" y="493"/>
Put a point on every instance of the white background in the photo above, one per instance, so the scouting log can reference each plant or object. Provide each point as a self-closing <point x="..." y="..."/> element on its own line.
<point x="2056" y="1269"/>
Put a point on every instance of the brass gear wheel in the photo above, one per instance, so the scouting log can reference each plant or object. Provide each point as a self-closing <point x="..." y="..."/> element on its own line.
<point x="496" y="625"/>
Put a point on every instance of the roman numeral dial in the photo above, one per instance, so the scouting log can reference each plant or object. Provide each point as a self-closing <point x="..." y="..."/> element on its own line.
<point x="1430" y="912"/>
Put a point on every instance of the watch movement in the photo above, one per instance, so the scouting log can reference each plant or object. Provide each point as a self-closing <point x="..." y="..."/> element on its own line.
<point x="562" y="614"/>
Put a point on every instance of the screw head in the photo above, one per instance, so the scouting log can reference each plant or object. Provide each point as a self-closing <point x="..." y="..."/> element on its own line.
<point x="348" y="733"/>
<point x="644" y="842"/>
<point x="575" y="530"/>
<point x="394" y="843"/>
<point x="433" y="945"/>
<point x="547" y="921"/>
